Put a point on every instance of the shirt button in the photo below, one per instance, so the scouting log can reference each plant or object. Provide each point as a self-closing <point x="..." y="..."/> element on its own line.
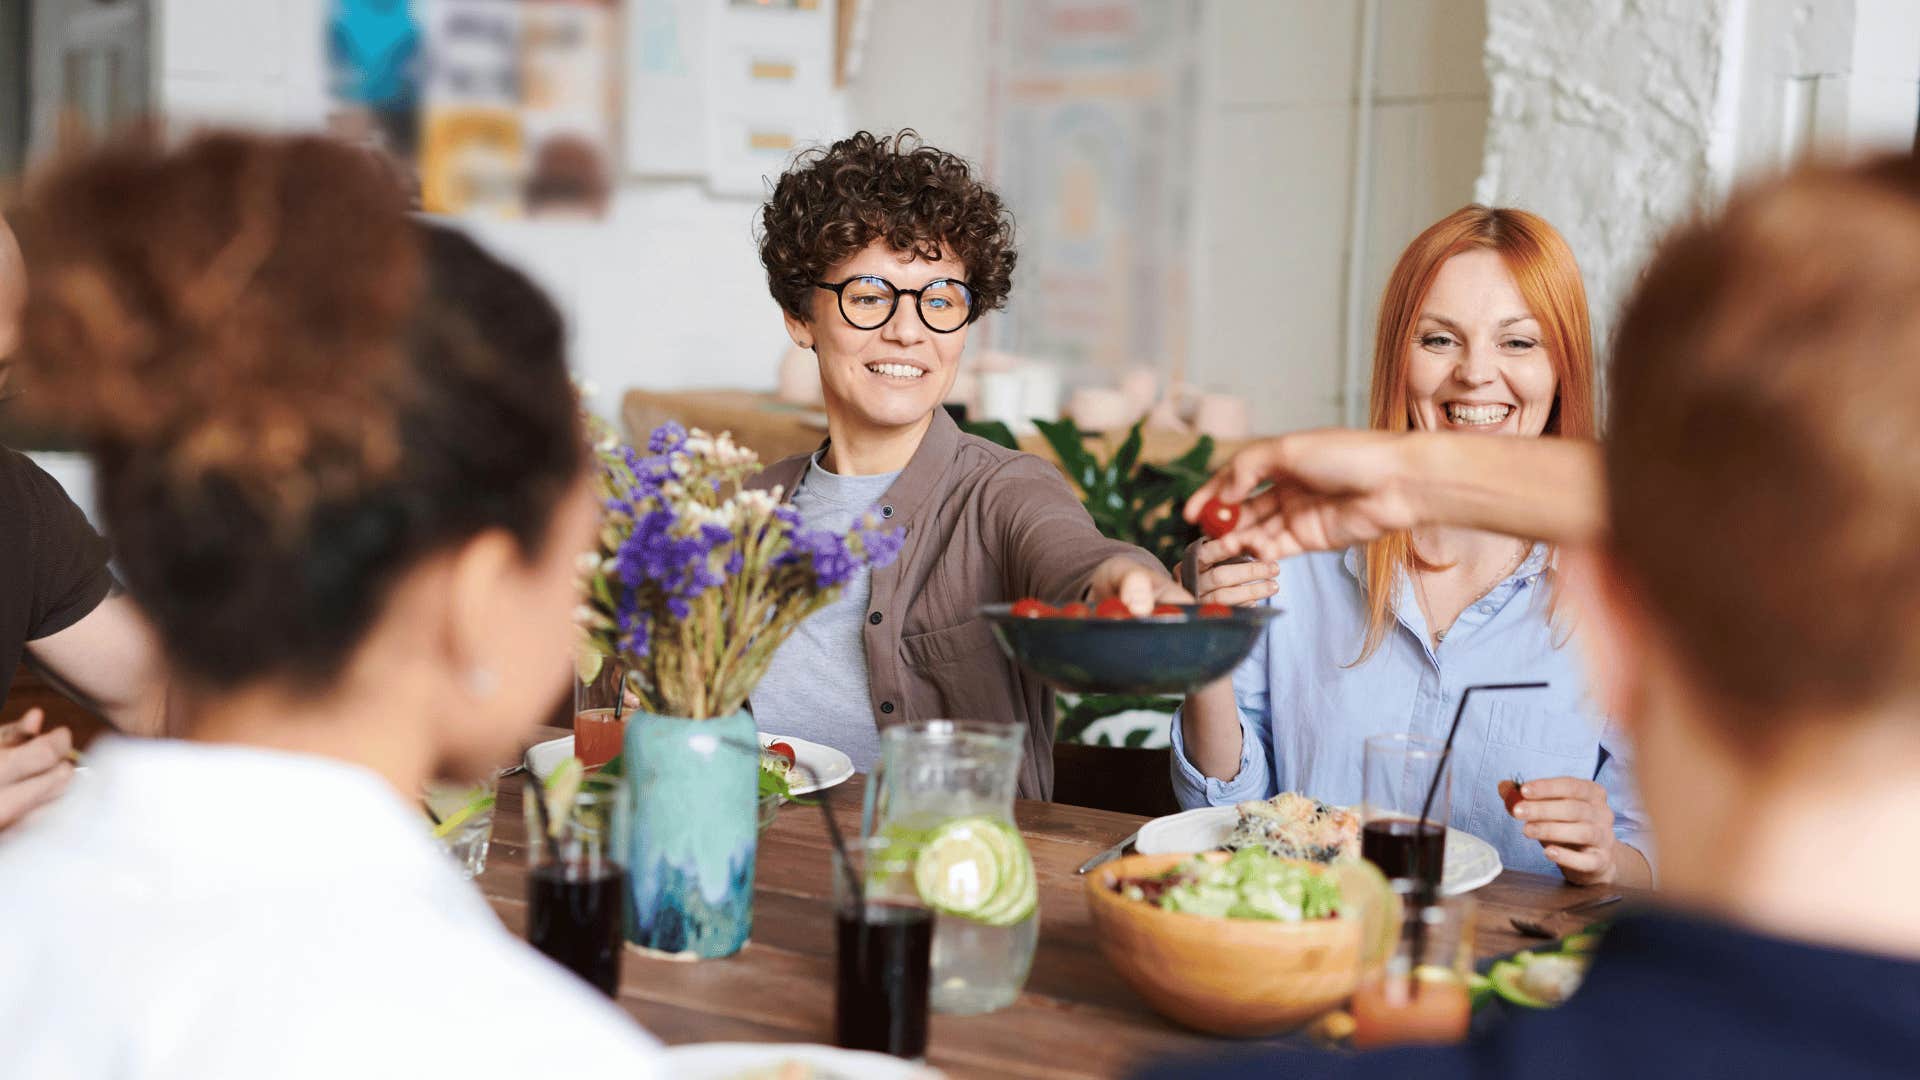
<point x="886" y="511"/>
<point x="874" y="618"/>
<point x="886" y="706"/>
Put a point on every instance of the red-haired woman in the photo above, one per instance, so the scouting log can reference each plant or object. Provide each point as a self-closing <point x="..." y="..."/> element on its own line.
<point x="1483" y="329"/>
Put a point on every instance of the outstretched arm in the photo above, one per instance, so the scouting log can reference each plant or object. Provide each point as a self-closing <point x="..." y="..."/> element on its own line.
<point x="1334" y="488"/>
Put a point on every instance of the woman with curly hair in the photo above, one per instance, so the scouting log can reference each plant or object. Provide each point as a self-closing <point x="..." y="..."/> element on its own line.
<point x="883" y="252"/>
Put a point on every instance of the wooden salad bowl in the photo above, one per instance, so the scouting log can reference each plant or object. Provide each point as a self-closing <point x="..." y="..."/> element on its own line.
<point x="1242" y="977"/>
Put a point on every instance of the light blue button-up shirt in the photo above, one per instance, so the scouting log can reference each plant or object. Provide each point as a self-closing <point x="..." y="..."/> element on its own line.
<point x="1306" y="709"/>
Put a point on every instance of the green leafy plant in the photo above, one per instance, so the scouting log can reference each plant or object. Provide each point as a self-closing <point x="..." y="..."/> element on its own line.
<point x="1138" y="502"/>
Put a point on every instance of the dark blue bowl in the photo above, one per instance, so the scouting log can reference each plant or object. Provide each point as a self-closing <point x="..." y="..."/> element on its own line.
<point x="1159" y="654"/>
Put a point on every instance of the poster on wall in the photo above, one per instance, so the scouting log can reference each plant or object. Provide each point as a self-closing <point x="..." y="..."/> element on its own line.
<point x="497" y="108"/>
<point x="1091" y="146"/>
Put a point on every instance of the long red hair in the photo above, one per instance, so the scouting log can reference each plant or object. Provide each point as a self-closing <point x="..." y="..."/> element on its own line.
<point x="1548" y="278"/>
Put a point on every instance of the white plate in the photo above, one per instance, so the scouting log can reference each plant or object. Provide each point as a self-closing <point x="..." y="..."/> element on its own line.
<point x="724" y="1061"/>
<point x="829" y="766"/>
<point x="1470" y="861"/>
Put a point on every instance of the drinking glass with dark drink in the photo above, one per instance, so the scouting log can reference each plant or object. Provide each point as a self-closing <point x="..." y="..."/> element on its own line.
<point x="1414" y="991"/>
<point x="577" y="876"/>
<point x="883" y="946"/>
<point x="1397" y="773"/>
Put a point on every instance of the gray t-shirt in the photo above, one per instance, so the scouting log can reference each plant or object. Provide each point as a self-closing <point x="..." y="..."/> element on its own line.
<point x="816" y="687"/>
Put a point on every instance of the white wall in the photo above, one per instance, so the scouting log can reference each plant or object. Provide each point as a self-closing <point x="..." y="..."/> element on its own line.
<point x="1276" y="173"/>
<point x="1615" y="118"/>
<point x="669" y="293"/>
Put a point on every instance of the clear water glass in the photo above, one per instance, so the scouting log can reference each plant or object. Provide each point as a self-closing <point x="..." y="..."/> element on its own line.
<point x="461" y="816"/>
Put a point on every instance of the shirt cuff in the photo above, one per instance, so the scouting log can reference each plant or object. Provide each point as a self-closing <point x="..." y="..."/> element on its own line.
<point x="1641" y="840"/>
<point x="1192" y="788"/>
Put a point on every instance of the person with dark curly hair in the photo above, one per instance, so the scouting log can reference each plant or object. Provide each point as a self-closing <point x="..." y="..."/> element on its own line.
<point x="883" y="252"/>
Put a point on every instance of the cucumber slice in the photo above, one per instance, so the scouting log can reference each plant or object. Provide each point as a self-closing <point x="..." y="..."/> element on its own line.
<point x="962" y="866"/>
<point x="1018" y="898"/>
<point x="1479" y="990"/>
<point x="1505" y="977"/>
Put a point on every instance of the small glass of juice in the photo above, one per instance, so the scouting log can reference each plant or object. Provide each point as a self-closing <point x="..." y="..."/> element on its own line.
<point x="600" y="716"/>
<point x="1416" y="993"/>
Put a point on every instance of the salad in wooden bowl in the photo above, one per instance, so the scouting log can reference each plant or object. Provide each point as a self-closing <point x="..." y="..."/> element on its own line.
<point x="1234" y="944"/>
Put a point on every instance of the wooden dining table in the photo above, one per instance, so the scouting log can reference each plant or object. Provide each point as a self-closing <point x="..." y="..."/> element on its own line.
<point x="1075" y="1019"/>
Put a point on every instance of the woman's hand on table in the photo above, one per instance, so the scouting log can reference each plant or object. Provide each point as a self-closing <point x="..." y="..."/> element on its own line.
<point x="34" y="767"/>
<point x="1570" y="819"/>
<point x="1227" y="578"/>
<point x="1134" y="585"/>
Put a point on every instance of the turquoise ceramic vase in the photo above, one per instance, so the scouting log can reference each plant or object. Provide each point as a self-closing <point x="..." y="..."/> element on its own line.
<point x="693" y="786"/>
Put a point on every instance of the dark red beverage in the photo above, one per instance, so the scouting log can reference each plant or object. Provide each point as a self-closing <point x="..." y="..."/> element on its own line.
<point x="574" y="915"/>
<point x="1404" y="848"/>
<point x="885" y="966"/>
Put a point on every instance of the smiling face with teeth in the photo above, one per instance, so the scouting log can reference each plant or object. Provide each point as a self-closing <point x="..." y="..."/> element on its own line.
<point x="1477" y="361"/>
<point x="881" y="385"/>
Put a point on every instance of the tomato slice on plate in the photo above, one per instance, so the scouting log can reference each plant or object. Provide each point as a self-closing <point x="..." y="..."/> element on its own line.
<point x="1215" y="611"/>
<point x="1075" y="610"/>
<point x="1167" y="609"/>
<point x="1113" y="608"/>
<point x="783" y="749"/>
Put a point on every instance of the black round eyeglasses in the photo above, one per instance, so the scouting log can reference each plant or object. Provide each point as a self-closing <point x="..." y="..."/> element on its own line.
<point x="867" y="302"/>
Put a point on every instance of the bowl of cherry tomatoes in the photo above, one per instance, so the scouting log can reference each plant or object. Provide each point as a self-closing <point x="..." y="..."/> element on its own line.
<point x="1105" y="649"/>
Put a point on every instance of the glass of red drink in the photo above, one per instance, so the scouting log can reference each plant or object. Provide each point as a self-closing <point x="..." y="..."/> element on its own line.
<point x="577" y="877"/>
<point x="1398" y="771"/>
<point x="883" y="946"/>
<point x="600" y="715"/>
<point x="1413" y="990"/>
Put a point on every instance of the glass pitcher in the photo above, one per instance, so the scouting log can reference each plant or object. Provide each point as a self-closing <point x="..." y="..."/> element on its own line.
<point x="945" y="789"/>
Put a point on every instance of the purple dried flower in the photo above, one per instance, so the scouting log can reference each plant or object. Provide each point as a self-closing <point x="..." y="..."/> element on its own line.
<point x="666" y="438"/>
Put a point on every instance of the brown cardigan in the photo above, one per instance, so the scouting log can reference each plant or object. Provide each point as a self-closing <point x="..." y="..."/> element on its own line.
<point x="983" y="524"/>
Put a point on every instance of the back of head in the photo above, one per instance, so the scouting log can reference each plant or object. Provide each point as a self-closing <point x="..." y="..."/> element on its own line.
<point x="293" y="391"/>
<point x="1765" y="444"/>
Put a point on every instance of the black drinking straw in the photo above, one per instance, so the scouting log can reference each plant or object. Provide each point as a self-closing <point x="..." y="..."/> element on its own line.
<point x="1429" y="881"/>
<point x="833" y="825"/>
<point x="1427" y="889"/>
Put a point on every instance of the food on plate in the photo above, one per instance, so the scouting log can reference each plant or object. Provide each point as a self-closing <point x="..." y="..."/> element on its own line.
<point x="1541" y="980"/>
<point x="1030" y="608"/>
<point x="1218" y="518"/>
<point x="1113" y="608"/>
<point x="1167" y="609"/>
<point x="785" y="750"/>
<point x="1249" y="884"/>
<point x="789" y="1070"/>
<point x="1075" y="610"/>
<point x="1295" y="826"/>
<point x="777" y="772"/>
<point x="1215" y="611"/>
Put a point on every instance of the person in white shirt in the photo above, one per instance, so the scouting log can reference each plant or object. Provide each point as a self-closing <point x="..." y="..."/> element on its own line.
<point x="342" y="463"/>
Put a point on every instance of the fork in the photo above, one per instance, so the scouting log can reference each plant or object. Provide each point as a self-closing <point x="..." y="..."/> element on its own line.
<point x="1534" y="929"/>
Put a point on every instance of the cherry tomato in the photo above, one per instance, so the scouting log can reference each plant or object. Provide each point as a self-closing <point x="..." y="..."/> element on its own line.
<point x="783" y="750"/>
<point x="1215" y="611"/>
<point x="1217" y="518"/>
<point x="1510" y="794"/>
<point x="1112" y="608"/>
<point x="1075" y="610"/>
<point x="1167" y="609"/>
<point x="1030" y="608"/>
